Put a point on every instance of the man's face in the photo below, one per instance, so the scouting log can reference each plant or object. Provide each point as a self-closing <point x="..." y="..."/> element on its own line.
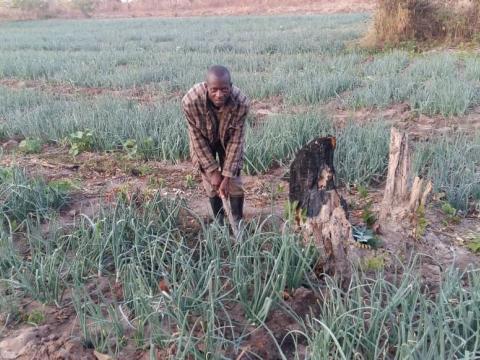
<point x="219" y="89"/>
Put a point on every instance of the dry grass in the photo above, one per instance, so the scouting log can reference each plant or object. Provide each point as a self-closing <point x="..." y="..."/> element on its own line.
<point x="174" y="8"/>
<point x="400" y="21"/>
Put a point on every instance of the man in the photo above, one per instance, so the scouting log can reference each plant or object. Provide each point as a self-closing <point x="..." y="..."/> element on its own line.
<point x="216" y="112"/>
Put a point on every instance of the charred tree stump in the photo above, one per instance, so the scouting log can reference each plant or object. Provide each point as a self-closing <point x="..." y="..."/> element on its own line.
<point x="398" y="201"/>
<point x="312" y="190"/>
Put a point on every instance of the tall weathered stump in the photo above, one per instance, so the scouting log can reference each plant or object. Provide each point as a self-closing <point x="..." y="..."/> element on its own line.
<point x="399" y="200"/>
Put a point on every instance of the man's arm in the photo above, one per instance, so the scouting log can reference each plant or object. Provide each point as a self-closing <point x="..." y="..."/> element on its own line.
<point x="234" y="150"/>
<point x="198" y="143"/>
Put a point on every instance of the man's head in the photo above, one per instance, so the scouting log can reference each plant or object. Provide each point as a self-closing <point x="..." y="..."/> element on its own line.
<point x="219" y="84"/>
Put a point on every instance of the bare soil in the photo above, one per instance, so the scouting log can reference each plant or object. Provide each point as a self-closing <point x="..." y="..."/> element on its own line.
<point x="184" y="8"/>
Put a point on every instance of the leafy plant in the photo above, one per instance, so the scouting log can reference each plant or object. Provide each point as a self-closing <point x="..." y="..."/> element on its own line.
<point x="366" y="237"/>
<point x="474" y="245"/>
<point x="450" y="213"/>
<point x="80" y="141"/>
<point x="131" y="148"/>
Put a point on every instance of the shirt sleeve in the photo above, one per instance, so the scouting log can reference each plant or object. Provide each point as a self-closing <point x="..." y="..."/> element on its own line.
<point x="198" y="142"/>
<point x="234" y="151"/>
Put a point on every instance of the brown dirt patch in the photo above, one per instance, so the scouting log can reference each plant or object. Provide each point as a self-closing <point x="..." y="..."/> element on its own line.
<point x="418" y="126"/>
<point x="144" y="94"/>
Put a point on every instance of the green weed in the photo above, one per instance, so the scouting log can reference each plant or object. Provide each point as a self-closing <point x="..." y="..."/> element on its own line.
<point x="35" y="317"/>
<point x="80" y="141"/>
<point x="421" y="222"/>
<point x="30" y="146"/>
<point x="190" y="181"/>
<point x="474" y="244"/>
<point x="362" y="191"/>
<point x="131" y="148"/>
<point x="374" y="263"/>
<point x="368" y="216"/>
<point x="451" y="216"/>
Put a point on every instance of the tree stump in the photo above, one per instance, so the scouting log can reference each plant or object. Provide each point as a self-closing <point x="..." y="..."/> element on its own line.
<point x="398" y="201"/>
<point x="320" y="210"/>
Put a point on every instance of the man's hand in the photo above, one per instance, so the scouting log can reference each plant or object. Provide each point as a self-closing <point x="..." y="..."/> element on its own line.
<point x="225" y="187"/>
<point x="215" y="179"/>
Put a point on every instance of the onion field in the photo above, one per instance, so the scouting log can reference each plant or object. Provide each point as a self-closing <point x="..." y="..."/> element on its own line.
<point x="142" y="275"/>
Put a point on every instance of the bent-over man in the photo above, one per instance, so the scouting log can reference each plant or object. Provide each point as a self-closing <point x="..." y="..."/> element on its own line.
<point x="216" y="112"/>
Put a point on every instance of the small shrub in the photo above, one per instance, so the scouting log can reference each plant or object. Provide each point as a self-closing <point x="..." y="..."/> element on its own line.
<point x="30" y="146"/>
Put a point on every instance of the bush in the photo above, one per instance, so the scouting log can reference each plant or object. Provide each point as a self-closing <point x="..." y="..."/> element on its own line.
<point x="400" y="21"/>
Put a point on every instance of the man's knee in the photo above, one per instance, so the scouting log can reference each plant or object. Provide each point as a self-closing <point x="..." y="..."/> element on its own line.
<point x="236" y="186"/>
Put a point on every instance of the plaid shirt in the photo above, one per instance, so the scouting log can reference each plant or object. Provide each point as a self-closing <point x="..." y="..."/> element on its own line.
<point x="207" y="127"/>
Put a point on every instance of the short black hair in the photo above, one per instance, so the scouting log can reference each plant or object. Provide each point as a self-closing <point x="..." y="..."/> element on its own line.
<point x="219" y="71"/>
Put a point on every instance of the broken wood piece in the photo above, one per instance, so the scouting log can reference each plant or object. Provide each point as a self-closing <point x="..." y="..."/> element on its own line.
<point x="415" y="194"/>
<point x="398" y="172"/>
<point x="231" y="220"/>
<point x="419" y="194"/>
